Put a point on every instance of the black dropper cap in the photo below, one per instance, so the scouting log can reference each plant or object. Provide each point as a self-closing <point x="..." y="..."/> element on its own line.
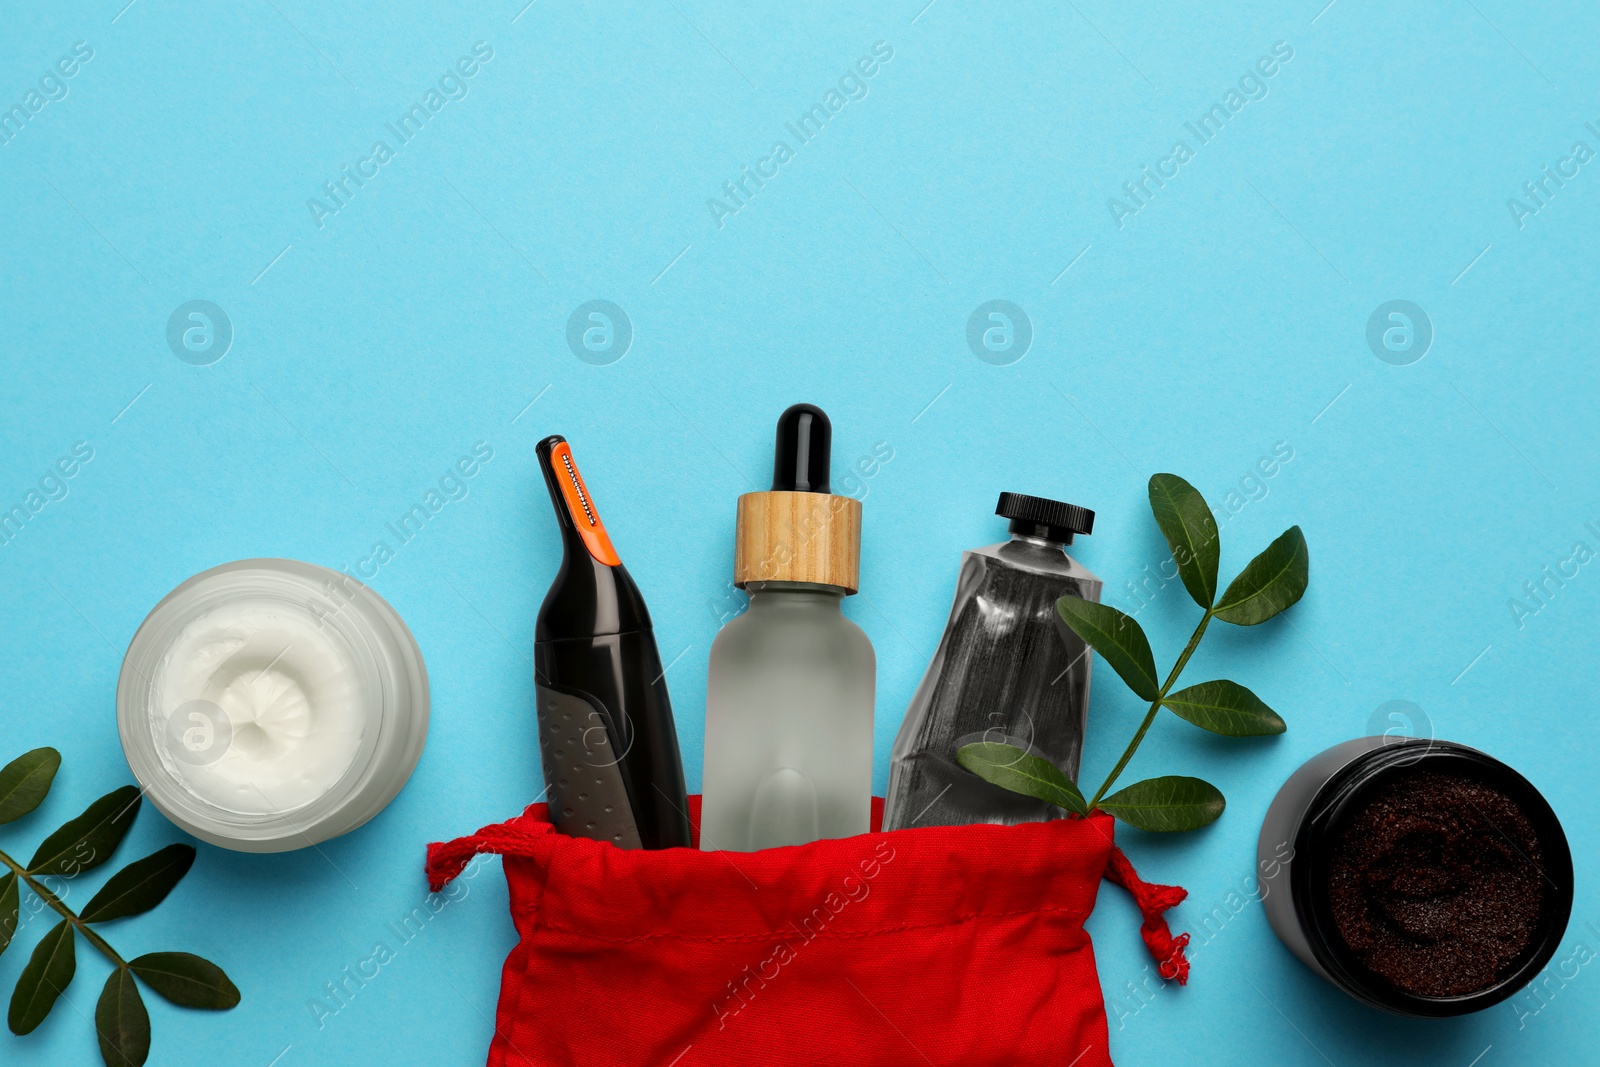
<point x="1037" y="516"/>
<point x="805" y="446"/>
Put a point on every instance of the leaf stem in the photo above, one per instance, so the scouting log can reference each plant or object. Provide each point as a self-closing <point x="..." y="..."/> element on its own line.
<point x="55" y="902"/>
<point x="1155" y="707"/>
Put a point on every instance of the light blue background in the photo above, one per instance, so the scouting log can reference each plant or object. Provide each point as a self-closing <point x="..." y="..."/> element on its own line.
<point x="1227" y="315"/>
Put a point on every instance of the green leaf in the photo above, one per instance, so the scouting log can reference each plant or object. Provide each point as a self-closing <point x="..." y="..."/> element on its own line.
<point x="25" y="781"/>
<point x="122" y="1022"/>
<point x="89" y="840"/>
<point x="10" y="909"/>
<point x="139" y="886"/>
<point x="1226" y="708"/>
<point x="1011" y="768"/>
<point x="1191" y="532"/>
<point x="46" y="977"/>
<point x="187" y="980"/>
<point x="1269" y="583"/>
<point x="1117" y="638"/>
<point x="1166" y="804"/>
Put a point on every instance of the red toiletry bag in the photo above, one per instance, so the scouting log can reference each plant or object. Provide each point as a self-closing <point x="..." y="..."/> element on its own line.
<point x="937" y="945"/>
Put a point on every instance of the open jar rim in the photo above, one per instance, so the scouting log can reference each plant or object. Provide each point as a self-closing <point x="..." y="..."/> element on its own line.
<point x="1310" y="875"/>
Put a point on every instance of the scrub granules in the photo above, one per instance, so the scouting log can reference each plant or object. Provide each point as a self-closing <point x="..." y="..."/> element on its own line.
<point x="1436" y="884"/>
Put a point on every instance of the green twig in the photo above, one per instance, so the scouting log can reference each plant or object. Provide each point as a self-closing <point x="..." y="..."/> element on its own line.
<point x="44" y="894"/>
<point x="1155" y="707"/>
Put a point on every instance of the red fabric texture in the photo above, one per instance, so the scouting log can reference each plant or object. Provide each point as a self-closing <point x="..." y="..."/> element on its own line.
<point x="937" y="945"/>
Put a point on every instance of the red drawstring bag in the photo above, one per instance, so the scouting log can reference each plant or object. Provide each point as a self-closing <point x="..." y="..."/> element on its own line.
<point x="938" y="945"/>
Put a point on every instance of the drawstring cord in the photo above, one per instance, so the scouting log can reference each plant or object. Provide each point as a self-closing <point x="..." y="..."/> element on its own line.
<point x="1153" y="900"/>
<point x="522" y="837"/>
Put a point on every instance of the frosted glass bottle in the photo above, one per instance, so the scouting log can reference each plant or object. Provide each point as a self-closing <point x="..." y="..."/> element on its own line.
<point x="790" y="685"/>
<point x="788" y="722"/>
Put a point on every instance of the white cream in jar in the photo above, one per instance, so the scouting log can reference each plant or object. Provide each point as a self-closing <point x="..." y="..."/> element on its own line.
<point x="270" y="704"/>
<point x="262" y="709"/>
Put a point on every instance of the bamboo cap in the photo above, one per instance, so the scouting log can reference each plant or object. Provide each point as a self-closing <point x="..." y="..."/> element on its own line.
<point x="799" y="531"/>
<point x="791" y="536"/>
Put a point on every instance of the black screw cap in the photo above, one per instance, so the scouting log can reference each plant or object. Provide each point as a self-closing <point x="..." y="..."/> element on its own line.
<point x="1042" y="517"/>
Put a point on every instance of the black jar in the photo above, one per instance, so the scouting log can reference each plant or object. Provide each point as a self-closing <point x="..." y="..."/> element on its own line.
<point x="1311" y="812"/>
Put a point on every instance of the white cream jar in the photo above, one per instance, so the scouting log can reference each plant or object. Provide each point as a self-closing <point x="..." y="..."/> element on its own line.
<point x="268" y="704"/>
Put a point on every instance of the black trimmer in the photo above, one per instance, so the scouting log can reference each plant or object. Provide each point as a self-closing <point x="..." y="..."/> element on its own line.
<point x="606" y="736"/>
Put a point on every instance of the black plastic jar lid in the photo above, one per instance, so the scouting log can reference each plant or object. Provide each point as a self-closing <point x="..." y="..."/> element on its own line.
<point x="1344" y="793"/>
